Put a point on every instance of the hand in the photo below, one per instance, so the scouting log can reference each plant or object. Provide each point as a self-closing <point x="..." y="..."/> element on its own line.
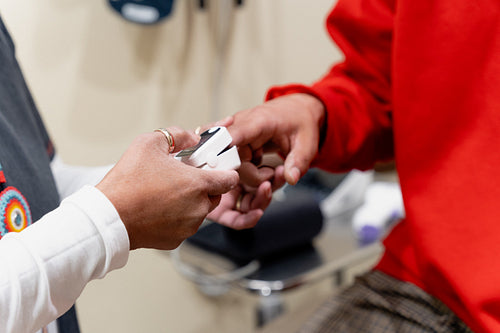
<point x="289" y="124"/>
<point x="251" y="208"/>
<point x="160" y="200"/>
<point x="242" y="207"/>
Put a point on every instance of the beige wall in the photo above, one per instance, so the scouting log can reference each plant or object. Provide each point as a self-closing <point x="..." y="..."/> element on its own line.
<point x="99" y="80"/>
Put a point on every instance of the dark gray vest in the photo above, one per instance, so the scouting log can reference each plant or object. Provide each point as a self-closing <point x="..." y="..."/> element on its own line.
<point x="25" y="155"/>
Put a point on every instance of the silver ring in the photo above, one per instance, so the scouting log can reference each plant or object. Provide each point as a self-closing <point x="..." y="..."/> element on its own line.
<point x="169" y="137"/>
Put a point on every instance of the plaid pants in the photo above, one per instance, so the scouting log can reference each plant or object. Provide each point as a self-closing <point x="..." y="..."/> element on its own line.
<point x="376" y="303"/>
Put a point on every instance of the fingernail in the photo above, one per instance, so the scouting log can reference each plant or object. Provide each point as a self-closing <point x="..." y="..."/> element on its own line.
<point x="295" y="174"/>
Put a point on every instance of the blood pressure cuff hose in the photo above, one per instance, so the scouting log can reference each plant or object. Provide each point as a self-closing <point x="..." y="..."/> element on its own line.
<point x="286" y="225"/>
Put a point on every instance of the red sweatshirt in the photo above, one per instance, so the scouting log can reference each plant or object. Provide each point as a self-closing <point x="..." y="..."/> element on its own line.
<point x="421" y="84"/>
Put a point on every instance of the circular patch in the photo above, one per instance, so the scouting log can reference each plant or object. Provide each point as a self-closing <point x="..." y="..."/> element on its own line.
<point x="15" y="214"/>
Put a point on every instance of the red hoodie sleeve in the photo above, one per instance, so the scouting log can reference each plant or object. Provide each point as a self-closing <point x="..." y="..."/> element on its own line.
<point x="356" y="92"/>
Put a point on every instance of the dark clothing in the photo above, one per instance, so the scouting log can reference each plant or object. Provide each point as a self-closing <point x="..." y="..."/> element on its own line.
<point x="25" y="150"/>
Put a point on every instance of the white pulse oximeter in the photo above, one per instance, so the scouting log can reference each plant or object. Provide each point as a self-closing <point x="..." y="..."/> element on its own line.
<point x="212" y="151"/>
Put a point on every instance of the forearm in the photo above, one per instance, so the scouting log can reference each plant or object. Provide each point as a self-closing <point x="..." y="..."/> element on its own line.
<point x="356" y="93"/>
<point x="359" y="125"/>
<point x="45" y="267"/>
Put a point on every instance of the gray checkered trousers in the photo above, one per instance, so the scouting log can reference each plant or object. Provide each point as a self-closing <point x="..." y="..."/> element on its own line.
<point x="378" y="303"/>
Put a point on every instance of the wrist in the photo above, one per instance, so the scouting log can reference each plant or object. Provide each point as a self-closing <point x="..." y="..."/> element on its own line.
<point x="314" y="106"/>
<point x="317" y="111"/>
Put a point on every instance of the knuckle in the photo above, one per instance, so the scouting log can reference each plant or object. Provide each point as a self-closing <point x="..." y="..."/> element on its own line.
<point x="142" y="138"/>
<point x="175" y="129"/>
<point x="192" y="227"/>
<point x="148" y="138"/>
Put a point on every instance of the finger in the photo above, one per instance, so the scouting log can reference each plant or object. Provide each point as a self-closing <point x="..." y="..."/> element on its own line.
<point x="292" y="173"/>
<point x="228" y="121"/>
<point x="300" y="156"/>
<point x="245" y="153"/>
<point x="245" y="203"/>
<point x="218" y="182"/>
<point x="248" y="220"/>
<point x="279" y="178"/>
<point x="238" y="221"/>
<point x="262" y="197"/>
<point x="251" y="126"/>
<point x="227" y="203"/>
<point x="161" y="142"/>
<point x="182" y="139"/>
<point x="257" y="156"/>
<point x="253" y="176"/>
<point x="272" y="160"/>
<point x="225" y="213"/>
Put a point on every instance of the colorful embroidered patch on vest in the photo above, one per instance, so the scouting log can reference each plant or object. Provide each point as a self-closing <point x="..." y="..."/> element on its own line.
<point x="15" y="213"/>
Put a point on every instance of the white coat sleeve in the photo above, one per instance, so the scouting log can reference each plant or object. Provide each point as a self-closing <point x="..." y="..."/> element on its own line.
<point x="70" y="178"/>
<point x="44" y="268"/>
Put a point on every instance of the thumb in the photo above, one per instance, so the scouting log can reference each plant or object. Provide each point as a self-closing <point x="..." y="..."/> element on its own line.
<point x="220" y="181"/>
<point x="299" y="159"/>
